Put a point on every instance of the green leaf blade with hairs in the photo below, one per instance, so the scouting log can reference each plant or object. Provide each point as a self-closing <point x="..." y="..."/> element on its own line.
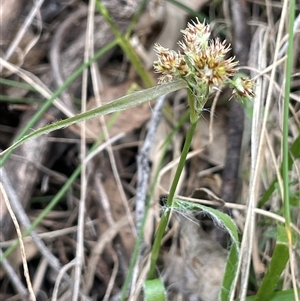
<point x="228" y="224"/>
<point x="120" y="104"/>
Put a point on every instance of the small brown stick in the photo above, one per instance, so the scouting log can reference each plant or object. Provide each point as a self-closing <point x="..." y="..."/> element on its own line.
<point x="56" y="43"/>
<point x="144" y="164"/>
<point x="22" y="247"/>
<point x="26" y="24"/>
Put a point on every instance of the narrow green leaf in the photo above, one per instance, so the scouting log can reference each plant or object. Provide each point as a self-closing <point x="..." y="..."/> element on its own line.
<point x="286" y="295"/>
<point x="13" y="83"/>
<point x="232" y="260"/>
<point x="226" y="222"/>
<point x="165" y="217"/>
<point x="15" y="100"/>
<point x="229" y="273"/>
<point x="276" y="266"/>
<point x="120" y="104"/>
<point x="220" y="218"/>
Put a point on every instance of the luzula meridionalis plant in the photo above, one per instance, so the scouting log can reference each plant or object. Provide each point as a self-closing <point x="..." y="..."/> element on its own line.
<point x="203" y="65"/>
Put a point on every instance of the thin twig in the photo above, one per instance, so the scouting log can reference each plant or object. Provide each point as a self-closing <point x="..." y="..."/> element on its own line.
<point x="49" y="235"/>
<point x="113" y="277"/>
<point x="83" y="150"/>
<point x="99" y="247"/>
<point x="60" y="276"/>
<point x="106" y="208"/>
<point x="37" y="84"/>
<point x="14" y="278"/>
<point x="173" y="163"/>
<point x="105" y="203"/>
<point x="39" y="275"/>
<point x="22" y="247"/>
<point x="143" y="167"/>
<point x="54" y="54"/>
<point x="19" y="210"/>
<point x="143" y="164"/>
<point x="23" y="29"/>
<point x="24" y="220"/>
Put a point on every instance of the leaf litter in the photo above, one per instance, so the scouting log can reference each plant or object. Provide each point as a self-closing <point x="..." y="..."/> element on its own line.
<point x="188" y="252"/>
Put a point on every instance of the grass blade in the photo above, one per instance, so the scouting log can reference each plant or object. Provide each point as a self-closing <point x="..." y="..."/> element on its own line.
<point x="276" y="266"/>
<point x="120" y="104"/>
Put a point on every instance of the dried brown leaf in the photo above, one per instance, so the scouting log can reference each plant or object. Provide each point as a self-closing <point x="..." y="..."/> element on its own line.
<point x="205" y="258"/>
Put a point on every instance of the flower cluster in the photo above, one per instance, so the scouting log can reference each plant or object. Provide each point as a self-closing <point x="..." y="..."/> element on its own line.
<point x="242" y="88"/>
<point x="203" y="63"/>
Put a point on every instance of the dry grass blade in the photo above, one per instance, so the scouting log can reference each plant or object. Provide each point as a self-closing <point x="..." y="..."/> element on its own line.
<point x="14" y="278"/>
<point x="35" y="11"/>
<point x="97" y="250"/>
<point x="22" y="248"/>
<point x="79" y="260"/>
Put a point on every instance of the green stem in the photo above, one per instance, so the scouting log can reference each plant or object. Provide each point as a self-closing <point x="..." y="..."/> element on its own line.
<point x="164" y="219"/>
<point x="285" y="145"/>
<point x="124" y="43"/>
<point x="13" y="83"/>
<point x="137" y="246"/>
<point x="135" y="18"/>
<point x="193" y="113"/>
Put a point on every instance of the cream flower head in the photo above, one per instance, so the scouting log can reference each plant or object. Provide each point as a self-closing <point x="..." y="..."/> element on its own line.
<point x="202" y="63"/>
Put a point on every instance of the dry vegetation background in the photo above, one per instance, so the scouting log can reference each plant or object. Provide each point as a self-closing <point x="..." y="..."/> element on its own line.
<point x="42" y="44"/>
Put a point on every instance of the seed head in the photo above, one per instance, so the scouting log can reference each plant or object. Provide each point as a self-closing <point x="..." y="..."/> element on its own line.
<point x="243" y="88"/>
<point x="170" y="64"/>
<point x="196" y="35"/>
<point x="203" y="64"/>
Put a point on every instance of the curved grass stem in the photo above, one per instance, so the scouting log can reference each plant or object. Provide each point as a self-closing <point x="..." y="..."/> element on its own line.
<point x="165" y="218"/>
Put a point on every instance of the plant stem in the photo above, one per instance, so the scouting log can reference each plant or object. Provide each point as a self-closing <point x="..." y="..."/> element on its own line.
<point x="124" y="43"/>
<point x="285" y="145"/>
<point x="165" y="218"/>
